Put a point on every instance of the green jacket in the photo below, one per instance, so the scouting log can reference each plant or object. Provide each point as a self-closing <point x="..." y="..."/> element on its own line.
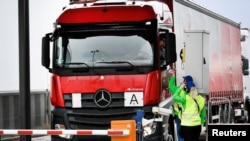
<point x="172" y="89"/>
<point x="171" y="85"/>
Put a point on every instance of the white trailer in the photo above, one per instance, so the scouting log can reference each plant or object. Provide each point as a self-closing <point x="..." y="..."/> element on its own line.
<point x="210" y="51"/>
<point x="245" y="44"/>
<point x="212" y="56"/>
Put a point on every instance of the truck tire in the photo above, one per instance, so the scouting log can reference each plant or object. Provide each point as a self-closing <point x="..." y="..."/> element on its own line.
<point x="232" y="116"/>
<point x="209" y="111"/>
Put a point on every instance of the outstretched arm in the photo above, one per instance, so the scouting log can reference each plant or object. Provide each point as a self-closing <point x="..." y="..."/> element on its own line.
<point x="177" y="97"/>
<point x="171" y="85"/>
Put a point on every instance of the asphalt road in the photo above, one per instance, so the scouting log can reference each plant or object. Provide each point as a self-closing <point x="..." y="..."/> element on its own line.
<point x="43" y="138"/>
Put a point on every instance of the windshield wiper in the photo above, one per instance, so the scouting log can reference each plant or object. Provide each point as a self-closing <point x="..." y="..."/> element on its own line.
<point x="77" y="66"/>
<point x="121" y="62"/>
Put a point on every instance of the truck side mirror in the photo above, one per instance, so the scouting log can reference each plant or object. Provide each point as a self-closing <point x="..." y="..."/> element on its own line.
<point x="171" y="55"/>
<point x="46" y="51"/>
<point x="245" y="65"/>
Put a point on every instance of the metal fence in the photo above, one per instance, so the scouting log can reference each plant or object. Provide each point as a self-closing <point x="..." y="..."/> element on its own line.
<point x="10" y="110"/>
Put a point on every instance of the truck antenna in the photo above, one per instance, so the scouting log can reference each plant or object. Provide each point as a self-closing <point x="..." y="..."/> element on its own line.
<point x="85" y="3"/>
<point x="94" y="51"/>
<point x="162" y="16"/>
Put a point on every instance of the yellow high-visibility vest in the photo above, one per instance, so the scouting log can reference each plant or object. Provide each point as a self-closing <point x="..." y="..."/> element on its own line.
<point x="191" y="113"/>
<point x="177" y="106"/>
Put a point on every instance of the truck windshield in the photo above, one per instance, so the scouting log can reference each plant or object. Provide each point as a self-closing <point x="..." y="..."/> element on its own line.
<point x="87" y="51"/>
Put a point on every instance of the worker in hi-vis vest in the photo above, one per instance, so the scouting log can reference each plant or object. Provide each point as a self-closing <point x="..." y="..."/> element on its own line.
<point x="193" y="111"/>
<point x="177" y="106"/>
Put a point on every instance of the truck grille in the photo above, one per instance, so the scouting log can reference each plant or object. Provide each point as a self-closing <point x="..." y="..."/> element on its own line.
<point x="90" y="116"/>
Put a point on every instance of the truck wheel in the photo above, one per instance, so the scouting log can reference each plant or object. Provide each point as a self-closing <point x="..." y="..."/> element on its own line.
<point x="209" y="111"/>
<point x="245" y="119"/>
<point x="232" y="115"/>
<point x="229" y="117"/>
<point x="221" y="114"/>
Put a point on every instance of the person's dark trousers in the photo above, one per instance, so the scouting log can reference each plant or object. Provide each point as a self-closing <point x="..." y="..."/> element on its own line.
<point x="191" y="133"/>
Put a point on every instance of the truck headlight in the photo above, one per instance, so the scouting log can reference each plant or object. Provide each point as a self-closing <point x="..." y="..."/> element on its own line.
<point x="62" y="127"/>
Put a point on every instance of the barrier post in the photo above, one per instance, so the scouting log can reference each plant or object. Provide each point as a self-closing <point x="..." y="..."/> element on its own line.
<point x="139" y="116"/>
<point x="124" y="124"/>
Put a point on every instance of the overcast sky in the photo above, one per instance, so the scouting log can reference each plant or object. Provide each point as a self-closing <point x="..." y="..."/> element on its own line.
<point x="42" y="15"/>
<point x="236" y="10"/>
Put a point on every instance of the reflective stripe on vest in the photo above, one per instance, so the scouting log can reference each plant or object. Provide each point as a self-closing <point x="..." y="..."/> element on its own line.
<point x="191" y="115"/>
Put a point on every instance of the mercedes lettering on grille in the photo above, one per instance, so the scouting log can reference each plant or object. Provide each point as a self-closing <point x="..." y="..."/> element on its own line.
<point x="102" y="98"/>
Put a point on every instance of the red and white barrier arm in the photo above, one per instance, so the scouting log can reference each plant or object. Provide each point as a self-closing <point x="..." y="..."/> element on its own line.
<point x="109" y="132"/>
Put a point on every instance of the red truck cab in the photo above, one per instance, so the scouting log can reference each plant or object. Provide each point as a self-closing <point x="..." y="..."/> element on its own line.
<point x="105" y="66"/>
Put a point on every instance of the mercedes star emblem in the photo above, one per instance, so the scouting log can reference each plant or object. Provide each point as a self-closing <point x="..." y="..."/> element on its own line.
<point x="102" y="98"/>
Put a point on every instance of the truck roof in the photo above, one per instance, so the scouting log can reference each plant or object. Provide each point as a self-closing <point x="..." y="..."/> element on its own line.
<point x="106" y="13"/>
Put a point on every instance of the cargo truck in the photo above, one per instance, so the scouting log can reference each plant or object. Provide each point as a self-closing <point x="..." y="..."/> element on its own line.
<point x="105" y="63"/>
